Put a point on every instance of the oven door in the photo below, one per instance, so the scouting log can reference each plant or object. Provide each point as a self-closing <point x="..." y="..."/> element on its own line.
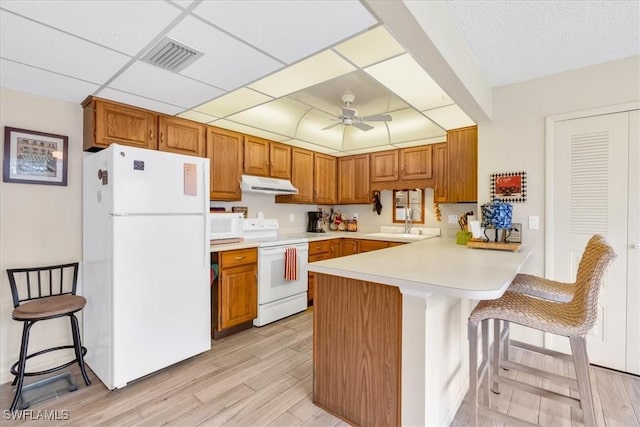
<point x="271" y="283"/>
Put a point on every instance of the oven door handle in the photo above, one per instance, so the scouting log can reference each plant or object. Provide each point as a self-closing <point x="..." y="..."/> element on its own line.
<point x="302" y="248"/>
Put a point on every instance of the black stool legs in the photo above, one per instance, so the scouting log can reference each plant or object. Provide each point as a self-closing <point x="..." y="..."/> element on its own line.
<point x="19" y="379"/>
<point x="78" y="348"/>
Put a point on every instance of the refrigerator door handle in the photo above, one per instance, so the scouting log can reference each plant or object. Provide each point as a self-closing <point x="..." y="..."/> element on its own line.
<point x="205" y="222"/>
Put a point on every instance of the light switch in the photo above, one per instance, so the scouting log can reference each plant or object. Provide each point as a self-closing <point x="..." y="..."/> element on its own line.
<point x="453" y="219"/>
<point x="292" y="218"/>
<point x="534" y="222"/>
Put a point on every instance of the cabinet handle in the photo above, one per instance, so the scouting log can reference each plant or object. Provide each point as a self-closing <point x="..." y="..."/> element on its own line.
<point x="151" y="134"/>
<point x="266" y="163"/>
<point x="273" y="164"/>
<point x="238" y="258"/>
<point x="402" y="167"/>
<point x="161" y="137"/>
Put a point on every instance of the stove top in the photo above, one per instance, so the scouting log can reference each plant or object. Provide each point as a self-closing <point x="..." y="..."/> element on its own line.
<point x="265" y="233"/>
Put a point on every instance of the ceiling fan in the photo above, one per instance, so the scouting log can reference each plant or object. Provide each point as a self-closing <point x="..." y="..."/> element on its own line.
<point x="349" y="116"/>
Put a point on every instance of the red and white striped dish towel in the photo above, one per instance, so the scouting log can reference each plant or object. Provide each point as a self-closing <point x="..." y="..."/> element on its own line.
<point x="290" y="264"/>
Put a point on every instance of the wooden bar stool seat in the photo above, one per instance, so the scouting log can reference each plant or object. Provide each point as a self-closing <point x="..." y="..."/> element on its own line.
<point x="572" y="319"/>
<point x="39" y="294"/>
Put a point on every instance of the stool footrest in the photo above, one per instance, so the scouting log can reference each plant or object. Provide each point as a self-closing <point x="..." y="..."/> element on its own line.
<point x="542" y="392"/>
<point x="561" y="379"/>
<point x="14" y="370"/>
<point x="542" y="350"/>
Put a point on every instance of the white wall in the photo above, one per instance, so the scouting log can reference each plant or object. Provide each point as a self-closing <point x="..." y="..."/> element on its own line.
<point x="514" y="141"/>
<point x="39" y="224"/>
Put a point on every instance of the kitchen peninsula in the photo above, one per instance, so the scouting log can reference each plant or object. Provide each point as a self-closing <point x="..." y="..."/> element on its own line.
<point x="390" y="343"/>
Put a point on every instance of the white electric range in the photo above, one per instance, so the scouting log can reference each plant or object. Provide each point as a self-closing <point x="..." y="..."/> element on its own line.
<point x="277" y="297"/>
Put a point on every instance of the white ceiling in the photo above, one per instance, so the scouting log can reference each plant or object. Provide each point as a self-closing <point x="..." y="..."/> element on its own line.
<point x="278" y="68"/>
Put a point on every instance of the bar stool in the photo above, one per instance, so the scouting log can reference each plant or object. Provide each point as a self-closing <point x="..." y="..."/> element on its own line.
<point x="538" y="287"/>
<point x="44" y="293"/>
<point x="572" y="319"/>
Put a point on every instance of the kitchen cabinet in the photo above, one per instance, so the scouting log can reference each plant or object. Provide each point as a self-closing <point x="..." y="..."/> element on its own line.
<point x="384" y="166"/>
<point x="266" y="158"/>
<point x="462" y="162"/>
<point x="353" y="179"/>
<point x="181" y="136"/>
<point x="235" y="292"/>
<point x="325" y="173"/>
<point x="349" y="247"/>
<point x="319" y="250"/>
<point x="107" y="122"/>
<point x="302" y="166"/>
<point x="224" y="150"/>
<point x="440" y="166"/>
<point x="371" y="245"/>
<point x="415" y="162"/>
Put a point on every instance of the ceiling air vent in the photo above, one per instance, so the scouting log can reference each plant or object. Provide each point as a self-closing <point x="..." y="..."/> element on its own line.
<point x="171" y="55"/>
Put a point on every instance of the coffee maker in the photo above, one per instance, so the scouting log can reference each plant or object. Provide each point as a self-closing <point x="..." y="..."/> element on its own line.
<point x="315" y="222"/>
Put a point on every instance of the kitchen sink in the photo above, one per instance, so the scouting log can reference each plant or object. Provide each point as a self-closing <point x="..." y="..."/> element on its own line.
<point x="400" y="235"/>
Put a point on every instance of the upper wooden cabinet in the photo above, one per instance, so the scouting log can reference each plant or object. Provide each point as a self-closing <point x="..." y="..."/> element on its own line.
<point x="416" y="162"/>
<point x="325" y="169"/>
<point x="181" y="136"/>
<point x="353" y="179"/>
<point x="384" y="166"/>
<point x="266" y="158"/>
<point x="440" y="166"/>
<point x="107" y="122"/>
<point x="224" y="150"/>
<point x="462" y="174"/>
<point x="301" y="177"/>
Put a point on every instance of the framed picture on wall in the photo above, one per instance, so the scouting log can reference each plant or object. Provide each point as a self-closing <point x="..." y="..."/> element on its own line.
<point x="32" y="157"/>
<point x="509" y="187"/>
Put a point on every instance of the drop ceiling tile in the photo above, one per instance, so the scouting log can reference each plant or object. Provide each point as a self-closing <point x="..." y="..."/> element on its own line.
<point x="355" y="138"/>
<point x="319" y="68"/>
<point x="449" y="117"/>
<point x="310" y="129"/>
<point x="279" y="116"/>
<point x="126" y="26"/>
<point x="289" y="30"/>
<point x="164" y="86"/>
<point x="249" y="130"/>
<point x="310" y="146"/>
<point x="138" y="101"/>
<point x="410" y="82"/>
<point x="233" y="102"/>
<point x="370" y="149"/>
<point x="43" y="83"/>
<point x="409" y="125"/>
<point x="182" y="3"/>
<point x="197" y="117"/>
<point x="370" y="47"/>
<point x="434" y="140"/>
<point x="226" y="63"/>
<point x="33" y="44"/>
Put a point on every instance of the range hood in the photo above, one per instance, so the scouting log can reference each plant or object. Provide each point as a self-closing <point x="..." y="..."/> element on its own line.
<point x="261" y="184"/>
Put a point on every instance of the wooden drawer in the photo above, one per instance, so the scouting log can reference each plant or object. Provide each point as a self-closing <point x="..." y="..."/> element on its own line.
<point x="372" y="245"/>
<point x="238" y="257"/>
<point x="320" y="247"/>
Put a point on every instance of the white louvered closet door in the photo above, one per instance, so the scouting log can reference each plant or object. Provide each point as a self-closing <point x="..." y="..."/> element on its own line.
<point x="591" y="195"/>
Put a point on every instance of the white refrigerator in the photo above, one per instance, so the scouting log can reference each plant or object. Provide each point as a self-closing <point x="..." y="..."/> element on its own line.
<point x="146" y="261"/>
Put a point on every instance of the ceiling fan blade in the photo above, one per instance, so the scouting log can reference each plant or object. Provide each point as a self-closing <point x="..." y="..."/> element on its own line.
<point x="362" y="126"/>
<point x="331" y="126"/>
<point x="378" y="118"/>
<point x="349" y="113"/>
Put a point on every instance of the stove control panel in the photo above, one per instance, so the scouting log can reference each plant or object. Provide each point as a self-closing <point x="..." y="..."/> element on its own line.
<point x="253" y="224"/>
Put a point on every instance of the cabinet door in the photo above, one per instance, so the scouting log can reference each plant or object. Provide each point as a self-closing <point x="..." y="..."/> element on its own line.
<point x="462" y="145"/>
<point x="280" y="160"/>
<point x="440" y="159"/>
<point x="182" y="136"/>
<point x="238" y="295"/>
<point x="353" y="179"/>
<point x="325" y="179"/>
<point x="256" y="156"/>
<point x="335" y="250"/>
<point x="117" y="123"/>
<point x="301" y="177"/>
<point x="349" y="247"/>
<point x="224" y="150"/>
<point x="384" y="166"/>
<point x="371" y="245"/>
<point x="415" y="162"/>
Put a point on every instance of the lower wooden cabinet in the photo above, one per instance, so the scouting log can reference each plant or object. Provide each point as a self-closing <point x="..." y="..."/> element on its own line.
<point x="371" y="245"/>
<point x="235" y="292"/>
<point x="349" y="247"/>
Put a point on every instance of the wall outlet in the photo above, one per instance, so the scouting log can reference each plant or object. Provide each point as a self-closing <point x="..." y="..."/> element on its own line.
<point x="292" y="217"/>
<point x="516" y="233"/>
<point x="453" y="219"/>
<point x="534" y="222"/>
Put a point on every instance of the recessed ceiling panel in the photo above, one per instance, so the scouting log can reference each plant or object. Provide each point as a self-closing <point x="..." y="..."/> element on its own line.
<point x="319" y="68"/>
<point x="280" y="116"/>
<point x="369" y="150"/>
<point x="310" y="129"/>
<point x="197" y="117"/>
<point x="33" y="44"/>
<point x="164" y="86"/>
<point x="370" y="47"/>
<point x="419" y="142"/>
<point x="355" y="138"/>
<point x="313" y="147"/>
<point x="410" y="82"/>
<point x="288" y="30"/>
<point x="409" y="125"/>
<point x="233" y="102"/>
<point x="138" y="101"/>
<point x="249" y="130"/>
<point x="126" y="26"/>
<point x="227" y="63"/>
<point x="43" y="83"/>
<point x="449" y="117"/>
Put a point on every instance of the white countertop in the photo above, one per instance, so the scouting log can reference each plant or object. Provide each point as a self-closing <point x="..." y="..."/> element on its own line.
<point x="432" y="265"/>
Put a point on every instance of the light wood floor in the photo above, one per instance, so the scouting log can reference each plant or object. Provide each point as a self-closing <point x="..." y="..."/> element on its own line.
<point x="263" y="376"/>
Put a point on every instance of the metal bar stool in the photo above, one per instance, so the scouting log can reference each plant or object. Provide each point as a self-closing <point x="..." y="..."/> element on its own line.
<point x="572" y="319"/>
<point x="44" y="293"/>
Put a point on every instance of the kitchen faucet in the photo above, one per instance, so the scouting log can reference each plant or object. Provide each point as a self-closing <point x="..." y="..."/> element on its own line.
<point x="407" y="221"/>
